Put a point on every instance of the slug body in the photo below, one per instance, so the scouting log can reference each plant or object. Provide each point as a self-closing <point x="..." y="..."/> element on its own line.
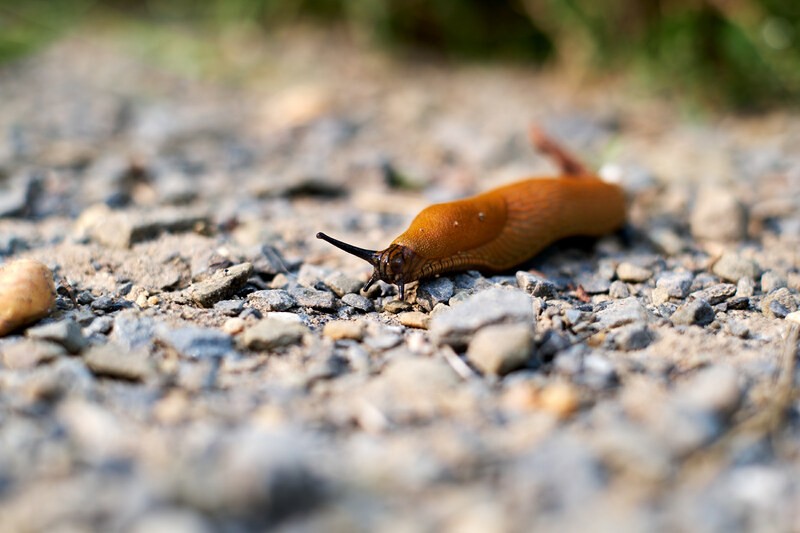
<point x="499" y="228"/>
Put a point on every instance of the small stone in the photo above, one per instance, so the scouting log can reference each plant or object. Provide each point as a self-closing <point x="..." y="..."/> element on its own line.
<point x="675" y="284"/>
<point x="593" y="283"/>
<point x="414" y="319"/>
<point x="29" y="353"/>
<point x="362" y="303"/>
<point x="456" y="325"/>
<point x="745" y="288"/>
<point x="234" y="326"/>
<point x="101" y="325"/>
<point x="500" y="349"/>
<point x="67" y="333"/>
<point x="341" y="284"/>
<point x="112" y="360"/>
<point x="311" y="276"/>
<point x="124" y="229"/>
<point x="659" y="296"/>
<point x="770" y="281"/>
<point x="271" y="300"/>
<point x="793" y="317"/>
<point x="738" y="328"/>
<point x="313" y="298"/>
<point x="739" y="302"/>
<point x="618" y="290"/>
<point x="344" y="329"/>
<point x="633" y="273"/>
<point x="779" y="303"/>
<point x="271" y="333"/>
<point x="229" y="307"/>
<point x="132" y="331"/>
<point x="222" y="284"/>
<point x="631" y="337"/>
<point x="433" y="291"/>
<point x="536" y="285"/>
<point x="197" y="343"/>
<point x="396" y="306"/>
<point x="560" y="399"/>
<point x="667" y="241"/>
<point x="732" y="267"/>
<point x="697" y="312"/>
<point x="716" y="294"/>
<point x="107" y="304"/>
<point x="621" y="312"/>
<point x="715" y="390"/>
<point x="718" y="215"/>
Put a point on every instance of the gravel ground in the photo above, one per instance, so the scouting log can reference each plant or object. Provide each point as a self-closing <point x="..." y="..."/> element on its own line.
<point x="213" y="367"/>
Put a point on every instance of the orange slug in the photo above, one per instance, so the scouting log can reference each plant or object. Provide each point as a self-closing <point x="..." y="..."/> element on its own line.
<point x="500" y="228"/>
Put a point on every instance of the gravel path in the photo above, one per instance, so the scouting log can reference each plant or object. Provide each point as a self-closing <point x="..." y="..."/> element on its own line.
<point x="213" y="367"/>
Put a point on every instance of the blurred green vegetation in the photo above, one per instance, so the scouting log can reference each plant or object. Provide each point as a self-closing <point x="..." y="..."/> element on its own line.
<point x="741" y="53"/>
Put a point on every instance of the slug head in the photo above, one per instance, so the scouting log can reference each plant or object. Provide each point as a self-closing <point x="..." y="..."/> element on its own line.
<point x="396" y="264"/>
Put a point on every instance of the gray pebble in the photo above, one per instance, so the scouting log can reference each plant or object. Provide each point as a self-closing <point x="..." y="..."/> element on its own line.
<point x="114" y="361"/>
<point x="666" y="240"/>
<point x="311" y="276"/>
<point x="500" y="349"/>
<point x="433" y="291"/>
<point x="716" y="293"/>
<point x="359" y="302"/>
<point x="552" y="343"/>
<point x="593" y="283"/>
<point x="676" y="284"/>
<point x="745" y="288"/>
<point x="738" y="302"/>
<point x="28" y="353"/>
<point x="713" y="390"/>
<point x="697" y="312"/>
<point x="313" y="298"/>
<point x="229" y="307"/>
<point x="271" y="333"/>
<point x="17" y="199"/>
<point x="618" y="290"/>
<point x="732" y="267"/>
<point x="620" y="312"/>
<point x="341" y="284"/>
<point x="101" y="325"/>
<point x="132" y="331"/>
<point x="598" y="372"/>
<point x="67" y="333"/>
<point x="779" y="303"/>
<point x="108" y="304"/>
<point x="718" y="215"/>
<point x="492" y="306"/>
<point x="536" y="285"/>
<point x="196" y="342"/>
<point x="771" y="281"/>
<point x="271" y="300"/>
<point x="631" y="337"/>
<point x="222" y="284"/>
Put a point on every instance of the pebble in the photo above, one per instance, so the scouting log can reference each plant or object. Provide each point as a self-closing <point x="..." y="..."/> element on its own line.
<point x="108" y="304"/>
<point x="229" y="307"/>
<point x="793" y="317"/>
<point x="396" y="306"/>
<point x="718" y="215"/>
<point x="234" y="325"/>
<point x="313" y="298"/>
<point x="271" y="300"/>
<point x="28" y="353"/>
<point x="222" y="284"/>
<point x="434" y="291"/>
<point x="536" y="285"/>
<point x="455" y="325"/>
<point x="67" y="333"/>
<point x="631" y="337"/>
<point x="131" y="330"/>
<point x="770" y="281"/>
<point x="733" y="267"/>
<point x="618" y="290"/>
<point x="271" y="333"/>
<point x="196" y="342"/>
<point x="620" y="312"/>
<point x="714" y="390"/>
<point x="17" y="199"/>
<point x="414" y="319"/>
<point x="559" y="398"/>
<point x="779" y="303"/>
<point x="112" y="360"/>
<point x="666" y="240"/>
<point x="311" y="276"/>
<point x="362" y="303"/>
<point x="745" y="288"/>
<point x="675" y="284"/>
<point x="593" y="283"/>
<point x="633" y="273"/>
<point x="498" y="350"/>
<point x="716" y="294"/>
<point x="344" y="329"/>
<point x="697" y="312"/>
<point x="342" y="285"/>
<point x="124" y="229"/>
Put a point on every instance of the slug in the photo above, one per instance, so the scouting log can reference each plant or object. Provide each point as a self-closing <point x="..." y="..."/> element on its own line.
<point x="501" y="228"/>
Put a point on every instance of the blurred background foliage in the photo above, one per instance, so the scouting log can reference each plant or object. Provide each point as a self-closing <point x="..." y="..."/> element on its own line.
<point x="739" y="53"/>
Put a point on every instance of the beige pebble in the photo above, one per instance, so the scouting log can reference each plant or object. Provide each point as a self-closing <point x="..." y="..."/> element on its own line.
<point x="794" y="317"/>
<point x="560" y="398"/>
<point x="27" y="293"/>
<point x="234" y="325"/>
<point x="633" y="273"/>
<point x="344" y="329"/>
<point x="414" y="319"/>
